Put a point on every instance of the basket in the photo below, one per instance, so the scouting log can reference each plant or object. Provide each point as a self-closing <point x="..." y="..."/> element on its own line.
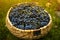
<point x="28" y="34"/>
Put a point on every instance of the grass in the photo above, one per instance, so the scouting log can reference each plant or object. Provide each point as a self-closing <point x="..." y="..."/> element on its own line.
<point x="5" y="34"/>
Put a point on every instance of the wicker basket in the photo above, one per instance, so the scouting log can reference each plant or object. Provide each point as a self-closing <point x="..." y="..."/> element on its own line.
<point x="28" y="34"/>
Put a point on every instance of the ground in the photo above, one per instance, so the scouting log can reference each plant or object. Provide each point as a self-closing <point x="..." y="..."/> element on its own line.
<point x="54" y="33"/>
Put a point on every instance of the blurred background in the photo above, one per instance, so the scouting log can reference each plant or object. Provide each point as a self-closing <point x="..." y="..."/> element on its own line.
<point x="52" y="6"/>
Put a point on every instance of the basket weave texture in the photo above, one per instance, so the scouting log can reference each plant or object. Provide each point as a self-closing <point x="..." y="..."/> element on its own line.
<point x="28" y="33"/>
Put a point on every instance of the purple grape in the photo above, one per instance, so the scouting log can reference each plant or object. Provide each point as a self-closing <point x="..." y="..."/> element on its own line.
<point x="28" y="17"/>
<point x="43" y="23"/>
<point x="20" y="26"/>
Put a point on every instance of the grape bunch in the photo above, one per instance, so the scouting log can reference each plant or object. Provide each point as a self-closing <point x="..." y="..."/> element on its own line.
<point x="28" y="17"/>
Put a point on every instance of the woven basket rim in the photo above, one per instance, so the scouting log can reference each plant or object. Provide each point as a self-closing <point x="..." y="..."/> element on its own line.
<point x="31" y="29"/>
